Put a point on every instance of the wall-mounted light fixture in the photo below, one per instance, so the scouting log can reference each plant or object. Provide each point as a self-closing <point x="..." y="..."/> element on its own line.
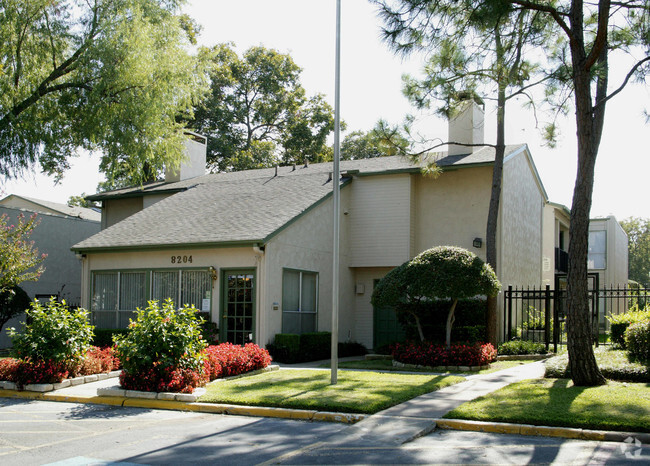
<point x="478" y="242"/>
<point x="213" y="273"/>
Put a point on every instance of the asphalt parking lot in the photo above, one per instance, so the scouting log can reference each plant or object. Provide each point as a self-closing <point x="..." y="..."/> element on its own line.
<point x="44" y="432"/>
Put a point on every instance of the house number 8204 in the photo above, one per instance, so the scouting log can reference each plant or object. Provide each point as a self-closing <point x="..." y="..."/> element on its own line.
<point x="181" y="259"/>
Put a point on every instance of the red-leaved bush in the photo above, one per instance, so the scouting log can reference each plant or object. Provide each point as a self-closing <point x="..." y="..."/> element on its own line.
<point x="27" y="371"/>
<point x="163" y="379"/>
<point x="227" y="359"/>
<point x="428" y="354"/>
<point x="221" y="360"/>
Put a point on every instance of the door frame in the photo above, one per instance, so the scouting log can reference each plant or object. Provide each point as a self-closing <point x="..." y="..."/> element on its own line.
<point x="224" y="299"/>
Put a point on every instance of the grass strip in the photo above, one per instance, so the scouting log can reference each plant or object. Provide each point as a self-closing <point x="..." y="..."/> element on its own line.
<point x="355" y="392"/>
<point x="616" y="406"/>
<point x="387" y="365"/>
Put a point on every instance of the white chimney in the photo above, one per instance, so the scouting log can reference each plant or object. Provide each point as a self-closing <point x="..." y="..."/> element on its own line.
<point x="466" y="124"/>
<point x="194" y="163"/>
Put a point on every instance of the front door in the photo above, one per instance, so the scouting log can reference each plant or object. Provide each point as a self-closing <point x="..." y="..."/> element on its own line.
<point x="238" y="306"/>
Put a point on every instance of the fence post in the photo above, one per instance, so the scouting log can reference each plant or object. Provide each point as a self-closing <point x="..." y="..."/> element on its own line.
<point x="509" y="307"/>
<point x="547" y="316"/>
<point x="556" y="319"/>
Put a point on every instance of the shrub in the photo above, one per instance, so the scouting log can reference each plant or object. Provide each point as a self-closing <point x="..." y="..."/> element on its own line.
<point x="163" y="379"/>
<point x="637" y="338"/>
<point x="428" y="354"/>
<point x="227" y="359"/>
<point x="351" y="348"/>
<point x="619" y="323"/>
<point x="104" y="336"/>
<point x="40" y="371"/>
<point x="53" y="333"/>
<point x="209" y="329"/>
<point x="522" y="347"/>
<point x="316" y="345"/>
<point x="8" y="368"/>
<point x="159" y="343"/>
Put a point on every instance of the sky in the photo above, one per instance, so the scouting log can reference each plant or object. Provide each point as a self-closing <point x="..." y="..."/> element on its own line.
<point x="371" y="83"/>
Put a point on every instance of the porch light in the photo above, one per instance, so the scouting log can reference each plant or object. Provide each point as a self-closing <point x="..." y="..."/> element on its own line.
<point x="478" y="242"/>
<point x="213" y="273"/>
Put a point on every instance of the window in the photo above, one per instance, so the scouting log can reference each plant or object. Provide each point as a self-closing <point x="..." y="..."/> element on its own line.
<point x="299" y="301"/>
<point x="117" y="294"/>
<point x="597" y="257"/>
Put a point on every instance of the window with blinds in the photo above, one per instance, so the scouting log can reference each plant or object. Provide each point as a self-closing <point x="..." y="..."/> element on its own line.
<point x="117" y="294"/>
<point x="299" y="301"/>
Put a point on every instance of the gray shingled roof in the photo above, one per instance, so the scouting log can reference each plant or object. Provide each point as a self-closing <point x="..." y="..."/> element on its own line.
<point x="246" y="207"/>
<point x="64" y="209"/>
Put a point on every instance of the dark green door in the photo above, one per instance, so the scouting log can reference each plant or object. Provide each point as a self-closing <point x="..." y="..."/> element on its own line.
<point x="387" y="328"/>
<point x="238" y="306"/>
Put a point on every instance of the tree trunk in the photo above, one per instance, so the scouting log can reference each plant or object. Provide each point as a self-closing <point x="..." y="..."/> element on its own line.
<point x="419" y="326"/>
<point x="589" y="123"/>
<point x="495" y="197"/>
<point x="450" y="322"/>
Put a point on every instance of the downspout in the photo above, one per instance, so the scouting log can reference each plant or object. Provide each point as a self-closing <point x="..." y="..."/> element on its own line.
<point x="261" y="311"/>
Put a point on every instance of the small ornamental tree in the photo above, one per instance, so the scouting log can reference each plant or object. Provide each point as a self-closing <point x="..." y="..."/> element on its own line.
<point x="19" y="259"/>
<point x="443" y="272"/>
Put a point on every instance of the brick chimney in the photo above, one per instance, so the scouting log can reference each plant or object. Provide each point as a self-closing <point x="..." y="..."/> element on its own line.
<point x="194" y="163"/>
<point x="466" y="125"/>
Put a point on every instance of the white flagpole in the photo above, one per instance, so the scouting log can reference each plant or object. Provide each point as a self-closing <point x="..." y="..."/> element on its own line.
<point x="336" y="199"/>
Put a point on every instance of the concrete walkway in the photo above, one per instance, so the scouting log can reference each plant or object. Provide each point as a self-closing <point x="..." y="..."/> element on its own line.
<point x="417" y="417"/>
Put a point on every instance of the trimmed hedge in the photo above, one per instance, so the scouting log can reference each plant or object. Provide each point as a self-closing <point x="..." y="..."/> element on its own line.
<point x="430" y="354"/>
<point x="619" y="323"/>
<point x="522" y="347"/>
<point x="293" y="348"/>
<point x="637" y="338"/>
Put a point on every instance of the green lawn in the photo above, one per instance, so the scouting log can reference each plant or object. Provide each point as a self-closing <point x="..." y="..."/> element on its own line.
<point x="387" y="365"/>
<point x="356" y="392"/>
<point x="556" y="402"/>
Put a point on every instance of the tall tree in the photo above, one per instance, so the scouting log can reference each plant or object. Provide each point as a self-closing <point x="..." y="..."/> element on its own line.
<point x="258" y="114"/>
<point x="105" y="75"/>
<point x="473" y="48"/>
<point x="638" y="234"/>
<point x="591" y="33"/>
<point x="381" y="141"/>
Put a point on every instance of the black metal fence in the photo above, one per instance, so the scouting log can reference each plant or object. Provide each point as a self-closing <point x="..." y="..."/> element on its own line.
<point x="539" y="314"/>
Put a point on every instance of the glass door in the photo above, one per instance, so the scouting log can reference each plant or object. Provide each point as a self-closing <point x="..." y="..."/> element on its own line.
<point x="238" y="306"/>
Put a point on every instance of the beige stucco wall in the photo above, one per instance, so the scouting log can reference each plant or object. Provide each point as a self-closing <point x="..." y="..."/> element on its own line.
<point x="555" y="219"/>
<point x="364" y="312"/>
<point x="380" y="220"/>
<point x="114" y="211"/>
<point x="521" y="217"/>
<point x="307" y="245"/>
<point x="451" y="210"/>
<point x="616" y="268"/>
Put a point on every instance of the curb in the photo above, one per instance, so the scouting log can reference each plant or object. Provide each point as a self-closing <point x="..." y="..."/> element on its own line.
<point x="213" y="408"/>
<point x="544" y="431"/>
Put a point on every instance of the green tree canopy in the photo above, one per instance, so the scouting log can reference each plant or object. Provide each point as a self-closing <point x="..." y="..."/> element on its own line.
<point x="257" y="114"/>
<point x="443" y="272"/>
<point x="381" y="141"/>
<point x="19" y="259"/>
<point x="638" y="235"/>
<point x="105" y="75"/>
